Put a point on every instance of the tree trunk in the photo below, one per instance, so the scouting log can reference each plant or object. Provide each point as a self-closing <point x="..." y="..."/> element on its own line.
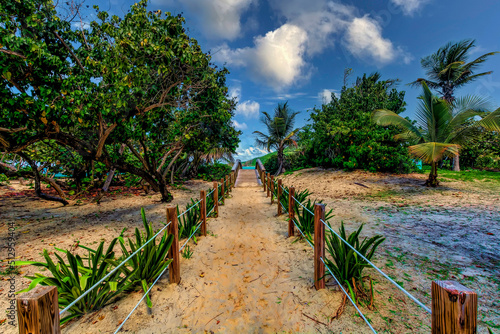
<point x="432" y="180"/>
<point x="281" y="159"/>
<point x="166" y="196"/>
<point x="456" y="163"/>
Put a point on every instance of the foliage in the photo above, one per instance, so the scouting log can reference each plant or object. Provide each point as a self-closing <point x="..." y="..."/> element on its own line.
<point x="187" y="253"/>
<point x="151" y="260"/>
<point x="213" y="172"/>
<point x="281" y="132"/>
<point x="210" y="203"/>
<point x="74" y="277"/>
<point x="482" y="153"/>
<point x="441" y="127"/>
<point x="188" y="222"/>
<point x="345" y="264"/>
<point x="295" y="160"/>
<point x="4" y="180"/>
<point x="342" y="134"/>
<point x="449" y="69"/>
<point x="135" y="93"/>
<point x="305" y="219"/>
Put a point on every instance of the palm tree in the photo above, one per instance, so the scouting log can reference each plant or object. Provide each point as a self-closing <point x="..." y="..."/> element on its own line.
<point x="281" y="133"/>
<point x="441" y="127"/>
<point x="449" y="69"/>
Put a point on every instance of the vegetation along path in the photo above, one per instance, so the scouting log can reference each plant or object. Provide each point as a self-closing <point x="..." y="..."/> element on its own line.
<point x="244" y="277"/>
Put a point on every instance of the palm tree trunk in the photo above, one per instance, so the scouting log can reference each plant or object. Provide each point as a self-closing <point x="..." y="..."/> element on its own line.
<point x="280" y="161"/>
<point x="432" y="180"/>
<point x="456" y="163"/>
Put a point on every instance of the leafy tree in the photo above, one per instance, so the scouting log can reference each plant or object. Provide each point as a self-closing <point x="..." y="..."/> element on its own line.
<point x="281" y="133"/>
<point x="342" y="134"/>
<point x="449" y="68"/>
<point x="441" y="127"/>
<point x="136" y="86"/>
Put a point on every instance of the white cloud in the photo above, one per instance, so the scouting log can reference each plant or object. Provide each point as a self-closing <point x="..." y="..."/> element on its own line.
<point x="239" y="126"/>
<point x="409" y="7"/>
<point x="276" y="58"/>
<point x="220" y="18"/>
<point x="364" y="40"/>
<point x="249" y="109"/>
<point x="245" y="154"/>
<point x="235" y="92"/>
<point x="325" y="96"/>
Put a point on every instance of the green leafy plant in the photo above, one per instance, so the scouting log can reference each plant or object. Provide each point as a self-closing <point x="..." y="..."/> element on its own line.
<point x="305" y="220"/>
<point x="210" y="203"/>
<point x="76" y="276"/>
<point x="213" y="172"/>
<point x="187" y="253"/>
<point x="188" y="222"/>
<point x="345" y="264"/>
<point x="150" y="261"/>
<point x="4" y="180"/>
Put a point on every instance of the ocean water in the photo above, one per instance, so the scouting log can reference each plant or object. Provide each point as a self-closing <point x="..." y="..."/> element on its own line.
<point x="248" y="167"/>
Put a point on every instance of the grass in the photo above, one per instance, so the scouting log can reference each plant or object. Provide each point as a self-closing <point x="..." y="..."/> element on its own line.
<point x="467" y="175"/>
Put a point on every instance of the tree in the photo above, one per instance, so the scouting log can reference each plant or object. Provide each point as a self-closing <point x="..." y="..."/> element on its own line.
<point x="137" y="83"/>
<point x="342" y="134"/>
<point x="441" y="126"/>
<point x="449" y="69"/>
<point x="281" y="132"/>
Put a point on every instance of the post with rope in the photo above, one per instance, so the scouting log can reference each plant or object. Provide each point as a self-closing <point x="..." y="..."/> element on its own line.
<point x="203" y="212"/>
<point x="222" y="191"/>
<point x="216" y="199"/>
<point x="319" y="246"/>
<point x="272" y="189"/>
<point x="268" y="184"/>
<point x="454" y="308"/>
<point x="280" y="189"/>
<point x="174" y="269"/>
<point x="291" y="211"/>
<point x="38" y="311"/>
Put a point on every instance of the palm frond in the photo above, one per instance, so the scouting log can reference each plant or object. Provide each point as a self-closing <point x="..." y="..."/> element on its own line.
<point x="491" y="121"/>
<point x="432" y="151"/>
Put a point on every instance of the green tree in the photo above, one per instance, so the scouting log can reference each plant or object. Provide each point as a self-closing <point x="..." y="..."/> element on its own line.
<point x="342" y="134"/>
<point x="449" y="68"/>
<point x="441" y="127"/>
<point x="281" y="132"/>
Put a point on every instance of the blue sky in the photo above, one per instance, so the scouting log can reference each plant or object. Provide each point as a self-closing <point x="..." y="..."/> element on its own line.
<point x="297" y="50"/>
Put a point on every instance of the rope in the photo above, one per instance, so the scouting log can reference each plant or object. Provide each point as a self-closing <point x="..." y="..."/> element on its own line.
<point x="210" y="193"/>
<point x="419" y="303"/>
<point x="111" y="272"/>
<point x="347" y="295"/>
<point x="283" y="207"/>
<point x="195" y="204"/>
<point x="208" y="214"/>
<point x="298" y="228"/>
<point x="284" y="190"/>
<point x="199" y="225"/>
<point x="312" y="213"/>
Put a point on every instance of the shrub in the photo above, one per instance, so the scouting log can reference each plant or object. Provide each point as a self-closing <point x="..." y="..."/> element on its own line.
<point x="213" y="172"/>
<point x="4" y="180"/>
<point x="305" y="220"/>
<point x="293" y="161"/>
<point x="188" y="222"/>
<point x="72" y="279"/>
<point x="148" y="263"/>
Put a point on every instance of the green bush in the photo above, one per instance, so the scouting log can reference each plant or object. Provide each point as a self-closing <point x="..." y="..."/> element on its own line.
<point x="4" y="180"/>
<point x="213" y="172"/>
<point x="73" y="278"/>
<point x="188" y="222"/>
<point x="293" y="161"/>
<point x="345" y="264"/>
<point x="148" y="263"/>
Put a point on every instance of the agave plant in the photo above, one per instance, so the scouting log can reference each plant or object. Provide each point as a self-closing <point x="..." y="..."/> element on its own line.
<point x="188" y="222"/>
<point x="305" y="219"/>
<point x="210" y="203"/>
<point x="76" y="276"/>
<point x="150" y="261"/>
<point x="345" y="263"/>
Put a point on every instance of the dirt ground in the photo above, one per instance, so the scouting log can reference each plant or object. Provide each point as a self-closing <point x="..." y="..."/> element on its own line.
<point x="246" y="276"/>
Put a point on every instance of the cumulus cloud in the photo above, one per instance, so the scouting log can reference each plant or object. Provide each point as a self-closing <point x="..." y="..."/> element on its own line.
<point x="276" y="58"/>
<point x="409" y="7"/>
<point x="221" y="19"/>
<point x="245" y="154"/>
<point x="235" y="92"/>
<point x="239" y="126"/>
<point x="325" y="96"/>
<point x="248" y="109"/>
<point x="364" y="39"/>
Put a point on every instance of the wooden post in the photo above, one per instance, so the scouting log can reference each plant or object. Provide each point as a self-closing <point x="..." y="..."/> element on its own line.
<point x="280" y="192"/>
<point x="319" y="246"/>
<point x="454" y="308"/>
<point x="216" y="199"/>
<point x="272" y="189"/>
<point x="268" y="184"/>
<point x="38" y="311"/>
<point x="174" y="269"/>
<point x="203" y="212"/>
<point x="222" y="192"/>
<point x="263" y="178"/>
<point x="291" y="211"/>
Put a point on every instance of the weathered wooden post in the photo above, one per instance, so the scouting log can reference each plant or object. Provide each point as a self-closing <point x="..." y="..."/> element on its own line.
<point x="280" y="192"/>
<point x="216" y="199"/>
<point x="268" y="184"/>
<point x="319" y="246"/>
<point x="272" y="189"/>
<point x="454" y="308"/>
<point x="38" y="311"/>
<point x="174" y="269"/>
<point x="203" y="212"/>
<point x="291" y="211"/>
<point x="222" y="193"/>
<point x="263" y="178"/>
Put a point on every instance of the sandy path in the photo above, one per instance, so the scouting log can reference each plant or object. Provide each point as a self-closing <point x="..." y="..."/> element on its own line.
<point x="245" y="277"/>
